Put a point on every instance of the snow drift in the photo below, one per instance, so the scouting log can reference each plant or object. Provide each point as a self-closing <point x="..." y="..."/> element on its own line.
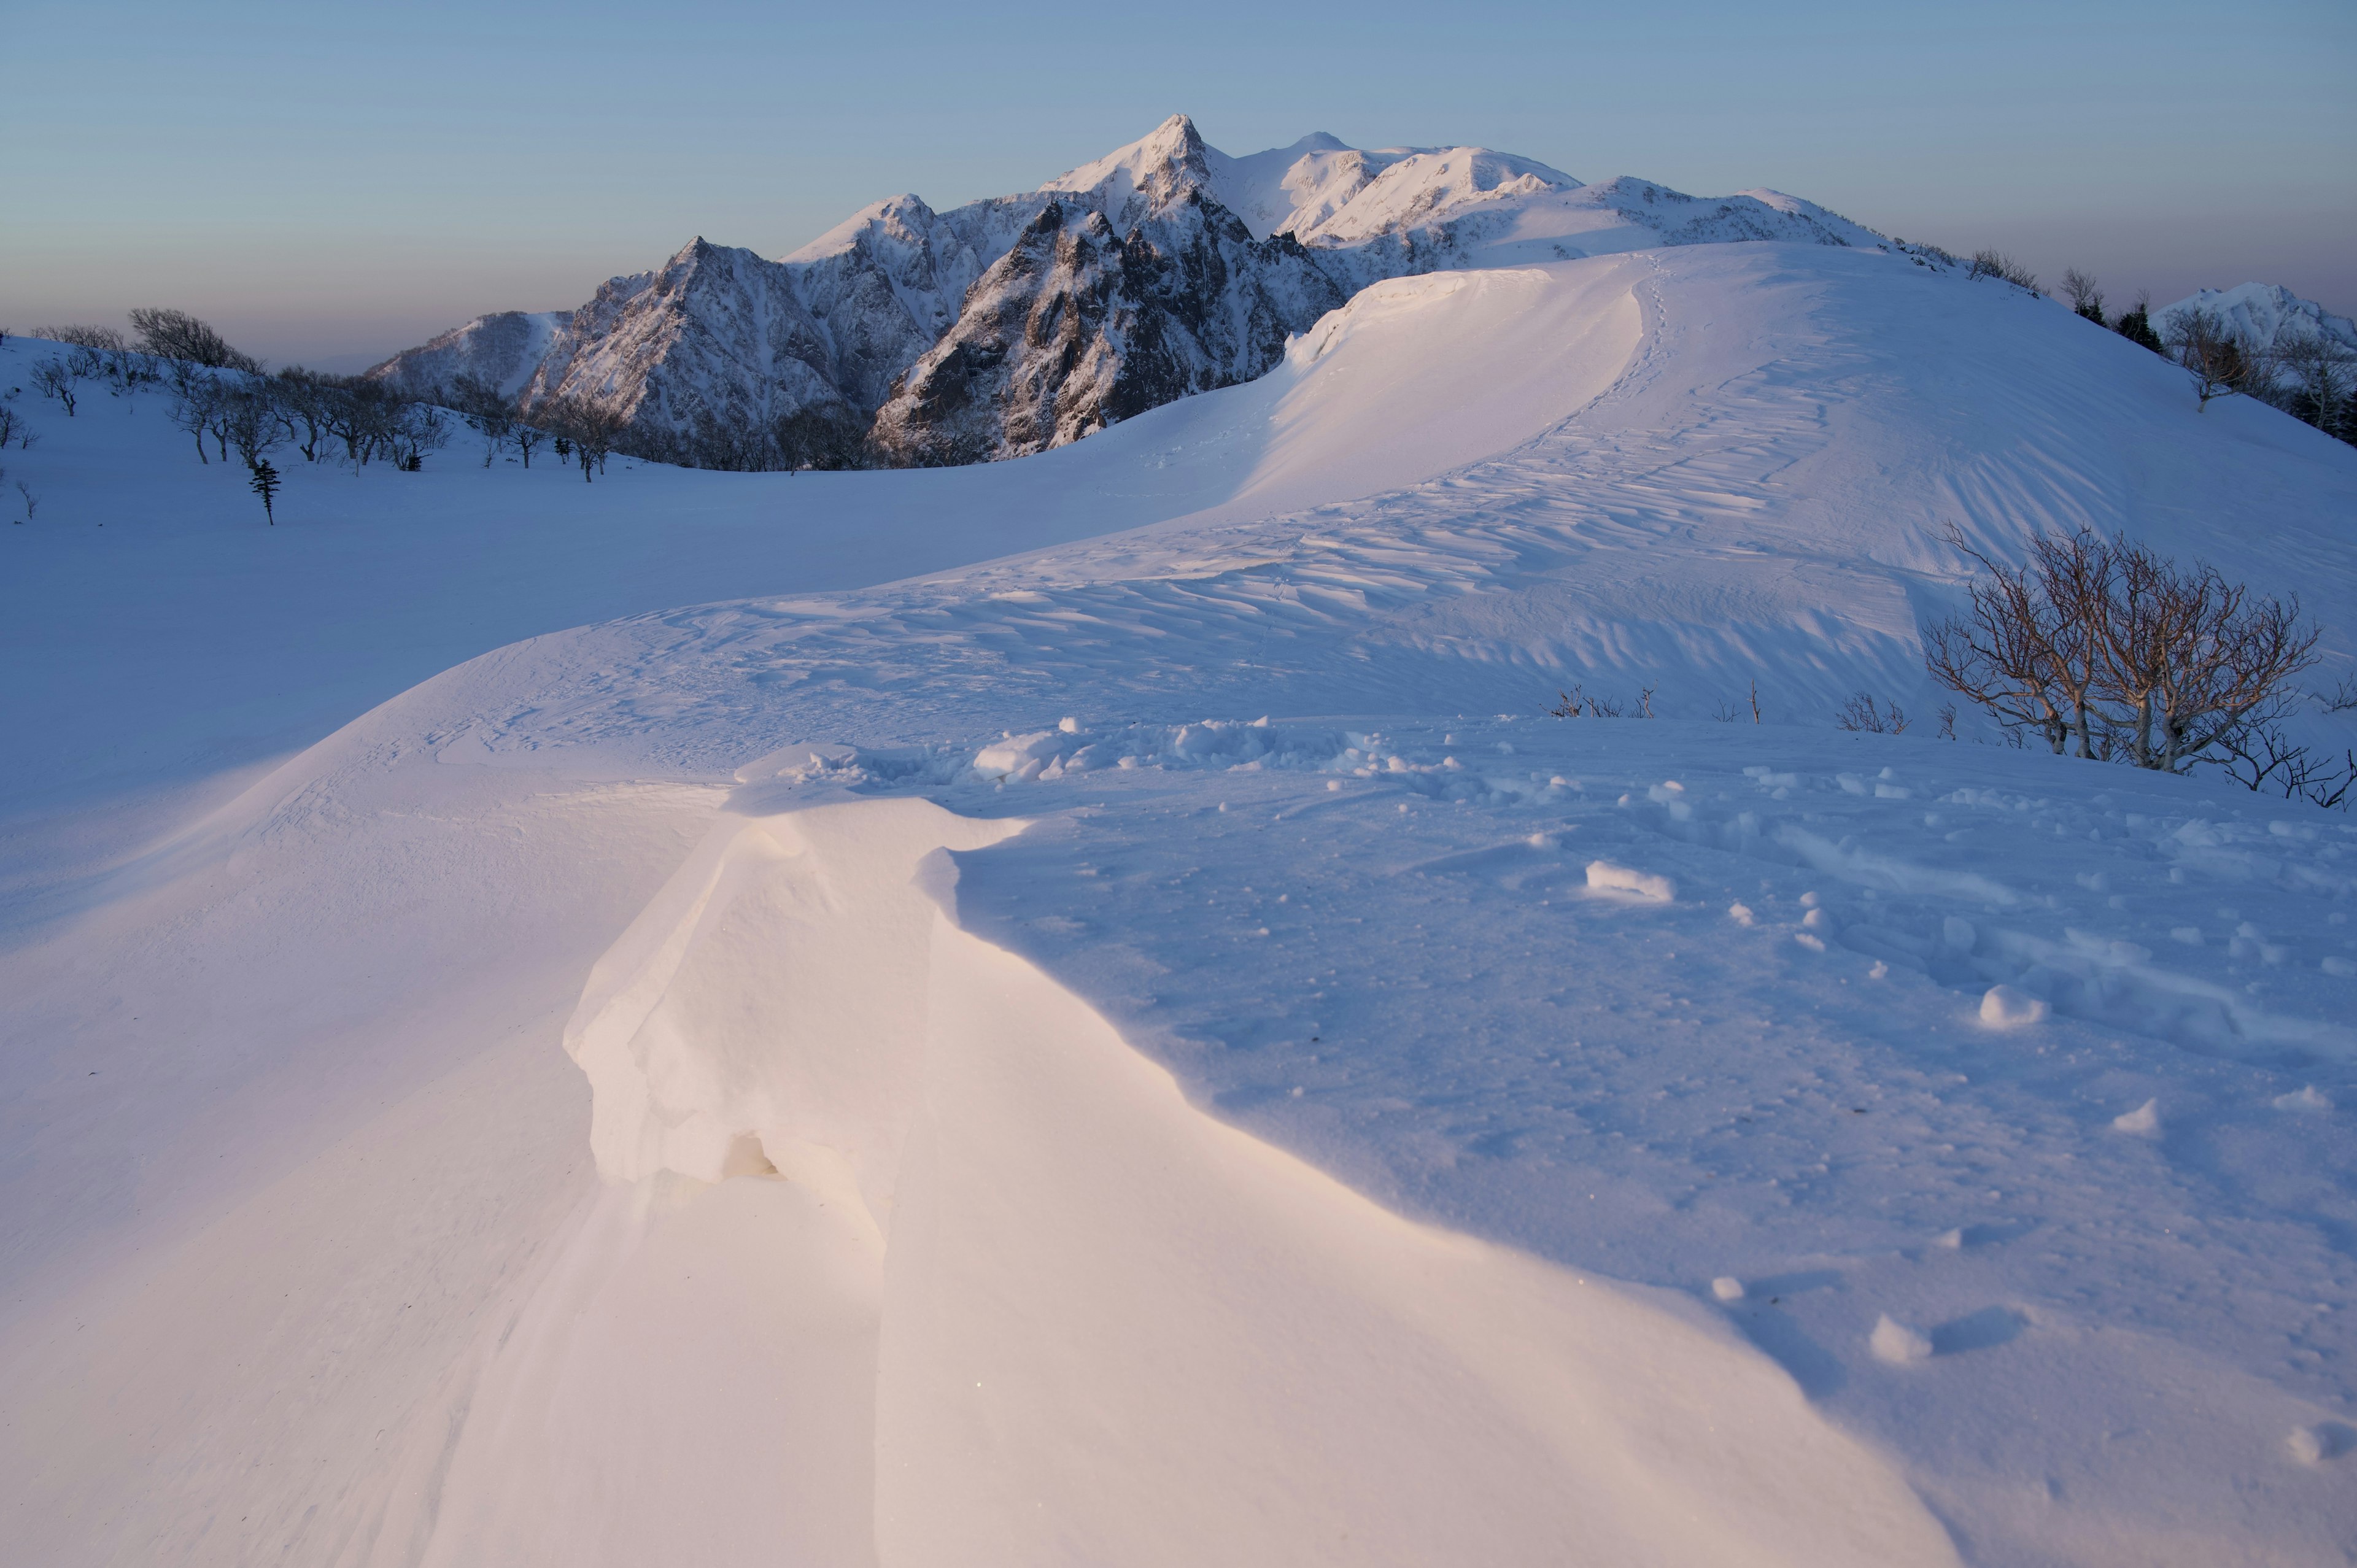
<point x="1087" y="1292"/>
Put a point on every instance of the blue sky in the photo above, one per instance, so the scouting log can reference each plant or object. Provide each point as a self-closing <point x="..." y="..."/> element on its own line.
<point x="328" y="182"/>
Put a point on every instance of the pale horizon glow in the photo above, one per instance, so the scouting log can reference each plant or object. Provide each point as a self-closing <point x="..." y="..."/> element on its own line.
<point x="329" y="189"/>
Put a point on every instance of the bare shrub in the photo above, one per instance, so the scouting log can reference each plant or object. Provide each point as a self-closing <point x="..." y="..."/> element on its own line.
<point x="2262" y="757"/>
<point x="1862" y="714"/>
<point x="1997" y="264"/>
<point x="2121" y="648"/>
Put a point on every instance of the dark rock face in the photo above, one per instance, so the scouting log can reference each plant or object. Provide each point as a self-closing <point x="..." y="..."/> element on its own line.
<point x="1077" y="327"/>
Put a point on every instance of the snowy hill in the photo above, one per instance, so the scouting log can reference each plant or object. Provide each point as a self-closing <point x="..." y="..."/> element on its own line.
<point x="1087" y="1013"/>
<point x="706" y="376"/>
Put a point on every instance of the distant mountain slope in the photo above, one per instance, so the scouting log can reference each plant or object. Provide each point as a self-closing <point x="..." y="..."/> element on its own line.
<point x="504" y="348"/>
<point x="1078" y="326"/>
<point x="2260" y="312"/>
<point x="916" y="313"/>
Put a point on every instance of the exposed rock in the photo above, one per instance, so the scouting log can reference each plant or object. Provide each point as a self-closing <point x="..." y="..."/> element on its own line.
<point x="1023" y="322"/>
<point x="712" y="361"/>
<point x="1080" y="325"/>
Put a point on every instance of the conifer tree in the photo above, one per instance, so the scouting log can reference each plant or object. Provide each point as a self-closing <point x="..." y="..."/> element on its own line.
<point x="266" y="484"/>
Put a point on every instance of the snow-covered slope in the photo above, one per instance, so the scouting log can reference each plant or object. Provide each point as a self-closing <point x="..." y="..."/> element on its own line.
<point x="504" y="349"/>
<point x="894" y="284"/>
<point x="1198" y="1065"/>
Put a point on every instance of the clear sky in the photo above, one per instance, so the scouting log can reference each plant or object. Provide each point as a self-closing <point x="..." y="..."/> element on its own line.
<point x="331" y="182"/>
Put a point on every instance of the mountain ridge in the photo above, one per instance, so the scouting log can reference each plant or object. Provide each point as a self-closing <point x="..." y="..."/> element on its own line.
<point x="864" y="344"/>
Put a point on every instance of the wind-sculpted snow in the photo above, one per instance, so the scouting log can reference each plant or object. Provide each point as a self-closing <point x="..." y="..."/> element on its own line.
<point x="1358" y="1113"/>
<point x="995" y="1142"/>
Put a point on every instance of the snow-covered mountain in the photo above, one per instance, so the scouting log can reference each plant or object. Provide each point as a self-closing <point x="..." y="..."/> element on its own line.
<point x="713" y="360"/>
<point x="1080" y="325"/>
<point x="706" y="375"/>
<point x="2262" y="313"/>
<point x="504" y="348"/>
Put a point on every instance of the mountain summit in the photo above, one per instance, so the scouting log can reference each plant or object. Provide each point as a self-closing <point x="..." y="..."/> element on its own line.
<point x="1018" y="323"/>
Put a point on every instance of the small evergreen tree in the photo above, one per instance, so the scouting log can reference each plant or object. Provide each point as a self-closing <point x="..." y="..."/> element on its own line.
<point x="2136" y="324"/>
<point x="266" y="484"/>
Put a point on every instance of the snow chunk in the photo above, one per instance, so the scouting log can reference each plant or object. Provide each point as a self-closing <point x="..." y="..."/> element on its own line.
<point x="2005" y="1007"/>
<point x="2142" y="1122"/>
<point x="2305" y="1099"/>
<point x="1727" y="1287"/>
<point x="2325" y="1440"/>
<point x="1894" y="1342"/>
<point x="1603" y="876"/>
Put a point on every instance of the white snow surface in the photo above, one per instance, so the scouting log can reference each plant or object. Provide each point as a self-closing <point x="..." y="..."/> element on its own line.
<point x="1086" y="1014"/>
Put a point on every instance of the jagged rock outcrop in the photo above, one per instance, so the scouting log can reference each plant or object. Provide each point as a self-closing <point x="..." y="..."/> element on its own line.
<point x="887" y="284"/>
<point x="712" y="361"/>
<point x="1022" y="322"/>
<point x="1080" y="326"/>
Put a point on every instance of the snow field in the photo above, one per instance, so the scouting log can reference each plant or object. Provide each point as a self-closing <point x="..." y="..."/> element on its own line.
<point x="1282" y="1120"/>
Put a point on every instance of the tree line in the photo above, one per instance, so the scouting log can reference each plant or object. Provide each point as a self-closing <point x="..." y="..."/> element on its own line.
<point x="220" y="395"/>
<point x="2303" y="371"/>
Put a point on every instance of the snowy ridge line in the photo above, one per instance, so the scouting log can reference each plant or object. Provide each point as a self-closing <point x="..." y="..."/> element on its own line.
<point x="986" y="1157"/>
<point x="1020" y="322"/>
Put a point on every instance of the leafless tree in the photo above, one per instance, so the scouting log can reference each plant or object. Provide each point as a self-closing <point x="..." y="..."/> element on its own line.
<point x="2186" y="658"/>
<point x="12" y="425"/>
<point x="194" y="392"/>
<point x="526" y="436"/>
<point x="2212" y="352"/>
<point x="2085" y="295"/>
<point x="306" y="401"/>
<point x="2319" y="372"/>
<point x="248" y="419"/>
<point x="2002" y="652"/>
<point x="176" y="335"/>
<point x="103" y="340"/>
<point x="2113" y="643"/>
<point x="592" y="427"/>
<point x="57" y="378"/>
<point x="414" y="430"/>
